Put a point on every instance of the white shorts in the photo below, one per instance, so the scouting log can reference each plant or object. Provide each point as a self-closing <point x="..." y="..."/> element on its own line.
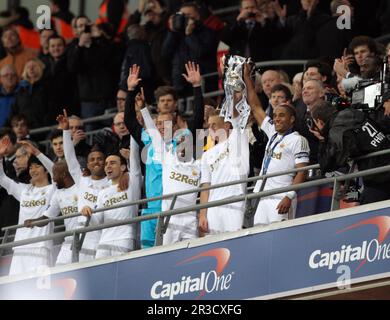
<point x="30" y="260"/>
<point x="181" y="227"/>
<point x="267" y="213"/>
<point x="114" y="248"/>
<point x="65" y="254"/>
<point x="229" y="217"/>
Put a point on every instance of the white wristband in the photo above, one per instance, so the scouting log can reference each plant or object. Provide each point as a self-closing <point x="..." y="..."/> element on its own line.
<point x="291" y="195"/>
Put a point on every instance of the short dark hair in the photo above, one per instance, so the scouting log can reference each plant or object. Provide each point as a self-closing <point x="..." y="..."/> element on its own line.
<point x="191" y="4"/>
<point x="290" y="109"/>
<point x="62" y="4"/>
<point x="34" y="160"/>
<point x="282" y="87"/>
<point x="55" y="134"/>
<point x="19" y="117"/>
<point x="81" y="16"/>
<point x="323" y="68"/>
<point x="323" y="110"/>
<point x="210" y="102"/>
<point x="364" y="41"/>
<point x="165" y="90"/>
<point x="56" y="36"/>
<point x="8" y="132"/>
<point x="122" y="159"/>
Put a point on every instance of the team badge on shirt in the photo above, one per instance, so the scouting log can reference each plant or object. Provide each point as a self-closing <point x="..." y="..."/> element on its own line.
<point x="194" y="172"/>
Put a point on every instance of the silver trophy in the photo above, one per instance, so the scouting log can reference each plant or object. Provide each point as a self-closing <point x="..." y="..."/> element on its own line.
<point x="233" y="82"/>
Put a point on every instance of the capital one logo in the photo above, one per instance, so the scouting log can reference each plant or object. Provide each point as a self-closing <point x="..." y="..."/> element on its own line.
<point x="206" y="282"/>
<point x="369" y="251"/>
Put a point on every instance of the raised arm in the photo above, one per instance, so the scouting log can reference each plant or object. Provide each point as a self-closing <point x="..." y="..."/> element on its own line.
<point x="8" y="184"/>
<point x="253" y="99"/>
<point x="69" y="151"/>
<point x="131" y="122"/>
<point x="157" y="140"/>
<point x="195" y="79"/>
<point x="32" y="150"/>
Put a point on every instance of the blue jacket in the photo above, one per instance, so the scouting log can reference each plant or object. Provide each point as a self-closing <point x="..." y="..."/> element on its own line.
<point x="6" y="102"/>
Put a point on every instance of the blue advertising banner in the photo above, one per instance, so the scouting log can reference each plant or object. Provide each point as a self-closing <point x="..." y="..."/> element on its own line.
<point x="262" y="264"/>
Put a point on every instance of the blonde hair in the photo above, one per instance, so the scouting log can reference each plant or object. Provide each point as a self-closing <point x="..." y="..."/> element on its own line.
<point x="39" y="63"/>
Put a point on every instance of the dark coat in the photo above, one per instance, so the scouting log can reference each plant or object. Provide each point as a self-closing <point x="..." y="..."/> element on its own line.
<point x="32" y="101"/>
<point x="95" y="69"/>
<point x="200" y="47"/>
<point x="62" y="89"/>
<point x="260" y="40"/>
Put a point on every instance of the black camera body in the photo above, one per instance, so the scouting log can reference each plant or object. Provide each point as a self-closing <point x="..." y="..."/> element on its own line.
<point x="370" y="94"/>
<point x="251" y="15"/>
<point x="179" y="22"/>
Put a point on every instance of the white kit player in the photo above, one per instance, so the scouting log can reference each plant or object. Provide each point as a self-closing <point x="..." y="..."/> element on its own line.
<point x="34" y="200"/>
<point x="121" y="239"/>
<point x="227" y="161"/>
<point x="64" y="201"/>
<point x="180" y="173"/>
<point x="88" y="187"/>
<point x="285" y="150"/>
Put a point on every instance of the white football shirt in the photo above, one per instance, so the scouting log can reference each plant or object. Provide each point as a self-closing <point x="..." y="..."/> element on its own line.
<point x="286" y="151"/>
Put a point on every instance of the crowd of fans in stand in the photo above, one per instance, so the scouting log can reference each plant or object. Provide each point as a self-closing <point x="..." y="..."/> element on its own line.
<point x="140" y="65"/>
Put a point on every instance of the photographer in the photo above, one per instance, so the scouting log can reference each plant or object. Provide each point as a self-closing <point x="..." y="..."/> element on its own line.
<point x="92" y="57"/>
<point x="252" y="34"/>
<point x="346" y="134"/>
<point x="189" y="39"/>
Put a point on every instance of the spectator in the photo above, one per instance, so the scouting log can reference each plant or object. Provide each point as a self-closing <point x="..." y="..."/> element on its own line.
<point x="301" y="30"/>
<point x="317" y="70"/>
<point x="121" y="100"/>
<point x="297" y="86"/>
<point x="280" y="94"/>
<point x="269" y="79"/>
<point x="62" y="19"/>
<point x="121" y="131"/>
<point x="57" y="145"/>
<point x="17" y="56"/>
<point x="190" y="41"/>
<point x="249" y="30"/>
<point x="82" y="148"/>
<point x="156" y="20"/>
<point x="115" y="140"/>
<point x="62" y="87"/>
<point x="19" y="124"/>
<point x="90" y="57"/>
<point x="115" y="13"/>
<point x="8" y="89"/>
<point x="138" y="52"/>
<point x="332" y="40"/>
<point x="20" y="164"/>
<point x="9" y="206"/>
<point x="313" y="91"/>
<point x="21" y="22"/>
<point x="361" y="47"/>
<point x="31" y="100"/>
<point x="44" y="36"/>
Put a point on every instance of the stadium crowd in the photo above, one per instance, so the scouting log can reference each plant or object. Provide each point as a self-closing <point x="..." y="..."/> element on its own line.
<point x="139" y="66"/>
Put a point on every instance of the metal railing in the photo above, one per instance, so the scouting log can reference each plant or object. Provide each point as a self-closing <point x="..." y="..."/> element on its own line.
<point x="161" y="215"/>
<point x="76" y="232"/>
